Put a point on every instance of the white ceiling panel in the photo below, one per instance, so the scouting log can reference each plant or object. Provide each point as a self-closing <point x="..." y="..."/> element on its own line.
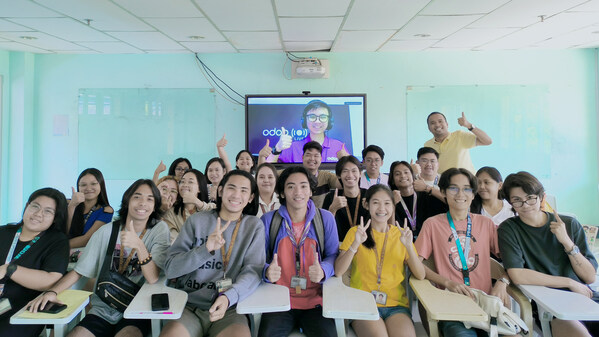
<point x="253" y="15"/>
<point x="522" y="13"/>
<point x="7" y="26"/>
<point x="147" y="40"/>
<point x="382" y="14"/>
<point x="436" y="27"/>
<point x="65" y="28"/>
<point x="249" y="51"/>
<point x="160" y="8"/>
<point x="594" y="44"/>
<point x="407" y="45"/>
<point x="577" y="38"/>
<point x="309" y="29"/>
<point x="106" y="15"/>
<point x="312" y="7"/>
<point x="470" y="38"/>
<point x="112" y="47"/>
<point x="180" y="29"/>
<point x="361" y="40"/>
<point x="462" y="7"/>
<point x="21" y="47"/>
<point x="590" y="6"/>
<point x="24" y="9"/>
<point x="308" y="46"/>
<point x="209" y="47"/>
<point x="42" y="41"/>
<point x="255" y="40"/>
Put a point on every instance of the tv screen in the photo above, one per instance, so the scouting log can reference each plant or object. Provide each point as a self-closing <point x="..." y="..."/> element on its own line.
<point x="336" y="121"/>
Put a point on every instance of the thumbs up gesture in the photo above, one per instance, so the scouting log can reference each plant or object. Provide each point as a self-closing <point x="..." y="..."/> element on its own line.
<point x="284" y="141"/>
<point x="129" y="237"/>
<point x="339" y="201"/>
<point x="273" y="273"/>
<point x="76" y="198"/>
<point x="222" y="142"/>
<point x="342" y="153"/>
<point x="266" y="150"/>
<point x="420" y="185"/>
<point x="415" y="167"/>
<point x="215" y="239"/>
<point x="161" y="168"/>
<point x="464" y="122"/>
<point x="315" y="272"/>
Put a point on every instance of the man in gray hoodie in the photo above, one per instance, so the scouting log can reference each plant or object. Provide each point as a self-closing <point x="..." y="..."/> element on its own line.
<point x="218" y="259"/>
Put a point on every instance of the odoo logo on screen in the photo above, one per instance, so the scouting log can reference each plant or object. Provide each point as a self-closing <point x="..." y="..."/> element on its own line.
<point x="297" y="134"/>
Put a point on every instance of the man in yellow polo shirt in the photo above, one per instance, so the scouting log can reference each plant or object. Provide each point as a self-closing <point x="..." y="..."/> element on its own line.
<point x="454" y="147"/>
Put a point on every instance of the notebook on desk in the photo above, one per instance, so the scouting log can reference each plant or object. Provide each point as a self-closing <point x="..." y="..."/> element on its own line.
<point x="72" y="298"/>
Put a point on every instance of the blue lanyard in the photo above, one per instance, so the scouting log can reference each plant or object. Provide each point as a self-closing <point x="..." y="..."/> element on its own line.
<point x="411" y="217"/>
<point x="378" y="180"/>
<point x="463" y="253"/>
<point x="435" y="183"/>
<point x="14" y="246"/>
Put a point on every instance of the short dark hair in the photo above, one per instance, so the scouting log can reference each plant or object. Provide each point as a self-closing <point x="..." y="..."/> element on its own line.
<point x="446" y="176"/>
<point x="344" y="161"/>
<point x="214" y="160"/>
<point x="373" y="148"/>
<point x="369" y="243"/>
<point x="435" y="113"/>
<point x="393" y="166"/>
<point x="313" y="145"/>
<point x="252" y="207"/>
<point x="425" y="150"/>
<point x="251" y="156"/>
<point x="280" y="186"/>
<point x="529" y="184"/>
<point x="317" y="104"/>
<point x="171" y="169"/>
<point x="202" y="190"/>
<point x="268" y="165"/>
<point x="156" y="214"/>
<point x="60" y="214"/>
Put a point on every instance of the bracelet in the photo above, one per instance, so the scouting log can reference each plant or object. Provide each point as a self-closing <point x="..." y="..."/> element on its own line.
<point x="146" y="260"/>
<point x="353" y="250"/>
<point x="50" y="291"/>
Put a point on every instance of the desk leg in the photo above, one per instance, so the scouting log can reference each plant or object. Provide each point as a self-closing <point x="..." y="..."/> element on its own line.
<point x="546" y="318"/>
<point x="433" y="328"/>
<point x="340" y="325"/>
<point x="155" y="327"/>
<point x="59" y="330"/>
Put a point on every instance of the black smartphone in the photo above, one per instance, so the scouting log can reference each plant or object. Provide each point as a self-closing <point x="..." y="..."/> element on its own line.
<point x="160" y="302"/>
<point x="53" y="308"/>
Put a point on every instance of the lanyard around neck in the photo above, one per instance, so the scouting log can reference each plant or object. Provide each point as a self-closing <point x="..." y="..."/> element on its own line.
<point x="378" y="180"/>
<point x="13" y="246"/>
<point x="463" y="253"/>
<point x="123" y="266"/>
<point x="227" y="257"/>
<point x="353" y="222"/>
<point x="411" y="217"/>
<point x="379" y="263"/>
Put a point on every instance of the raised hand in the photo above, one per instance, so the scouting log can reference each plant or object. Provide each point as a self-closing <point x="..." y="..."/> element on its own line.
<point x="464" y="122"/>
<point x="222" y="142"/>
<point x="338" y="203"/>
<point x="315" y="272"/>
<point x="77" y="197"/>
<point x="212" y="191"/>
<point x="215" y="239"/>
<point x="129" y="237"/>
<point x="266" y="150"/>
<point x="219" y="308"/>
<point x="420" y="185"/>
<point x="396" y="196"/>
<point x="415" y="167"/>
<point x="343" y="152"/>
<point x="558" y="228"/>
<point x="407" y="237"/>
<point x="284" y="141"/>
<point x="273" y="273"/>
<point x="361" y="235"/>
<point x="161" y="168"/>
<point x="191" y="198"/>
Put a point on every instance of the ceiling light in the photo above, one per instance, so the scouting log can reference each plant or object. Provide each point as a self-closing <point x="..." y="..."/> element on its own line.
<point x="422" y="35"/>
<point x="195" y="37"/>
<point x="24" y="37"/>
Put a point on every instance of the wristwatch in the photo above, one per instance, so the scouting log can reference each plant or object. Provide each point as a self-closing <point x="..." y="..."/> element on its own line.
<point x="471" y="127"/>
<point x="504" y="280"/>
<point x="275" y="152"/>
<point x="575" y="250"/>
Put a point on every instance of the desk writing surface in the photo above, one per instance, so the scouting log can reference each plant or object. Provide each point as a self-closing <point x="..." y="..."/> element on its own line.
<point x="267" y="297"/>
<point x="74" y="299"/>
<point x="341" y="301"/>
<point x="141" y="306"/>
<point x="563" y="304"/>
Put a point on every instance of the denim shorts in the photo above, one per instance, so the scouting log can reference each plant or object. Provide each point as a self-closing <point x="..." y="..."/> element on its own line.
<point x="386" y="312"/>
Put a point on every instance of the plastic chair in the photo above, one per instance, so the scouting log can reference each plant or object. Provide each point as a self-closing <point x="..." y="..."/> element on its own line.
<point x="442" y="305"/>
<point x="267" y="297"/>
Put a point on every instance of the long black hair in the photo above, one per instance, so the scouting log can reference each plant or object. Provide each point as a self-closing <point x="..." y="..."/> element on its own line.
<point x="78" y="221"/>
<point x="477" y="202"/>
<point x="214" y="160"/>
<point x="60" y="214"/>
<point x="391" y="174"/>
<point x="156" y="213"/>
<point x="369" y="243"/>
<point x="171" y="169"/>
<point x="202" y="190"/>
<point x="252" y="207"/>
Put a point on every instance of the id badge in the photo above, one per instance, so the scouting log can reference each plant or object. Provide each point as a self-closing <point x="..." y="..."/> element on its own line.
<point x="298" y="282"/>
<point x="223" y="285"/>
<point x="379" y="297"/>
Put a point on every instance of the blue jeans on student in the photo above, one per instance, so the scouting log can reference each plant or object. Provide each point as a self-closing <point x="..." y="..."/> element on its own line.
<point x="457" y="329"/>
<point x="311" y="321"/>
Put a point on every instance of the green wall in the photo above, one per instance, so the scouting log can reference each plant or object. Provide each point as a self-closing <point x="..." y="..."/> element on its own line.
<point x="47" y="85"/>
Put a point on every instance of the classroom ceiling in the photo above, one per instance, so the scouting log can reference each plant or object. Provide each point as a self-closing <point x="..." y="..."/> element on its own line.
<point x="240" y="26"/>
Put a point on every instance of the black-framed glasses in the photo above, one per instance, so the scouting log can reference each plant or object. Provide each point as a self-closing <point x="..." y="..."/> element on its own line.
<point x="313" y="118"/>
<point x="531" y="200"/>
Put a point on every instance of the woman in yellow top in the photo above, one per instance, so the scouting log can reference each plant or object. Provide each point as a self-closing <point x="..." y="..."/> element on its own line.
<point x="377" y="265"/>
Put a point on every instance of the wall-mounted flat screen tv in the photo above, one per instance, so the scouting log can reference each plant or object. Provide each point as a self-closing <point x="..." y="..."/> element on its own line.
<point x="336" y="121"/>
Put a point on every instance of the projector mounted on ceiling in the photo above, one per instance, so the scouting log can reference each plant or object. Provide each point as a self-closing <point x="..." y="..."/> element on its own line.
<point x="310" y="68"/>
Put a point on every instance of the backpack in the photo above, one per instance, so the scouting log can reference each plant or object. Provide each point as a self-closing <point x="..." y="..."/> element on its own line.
<point x="275" y="226"/>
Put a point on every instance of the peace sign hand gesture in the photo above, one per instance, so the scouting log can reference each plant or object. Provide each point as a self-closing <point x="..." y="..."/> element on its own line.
<point x="215" y="239"/>
<point x="407" y="237"/>
<point x="361" y="235"/>
<point x="558" y="228"/>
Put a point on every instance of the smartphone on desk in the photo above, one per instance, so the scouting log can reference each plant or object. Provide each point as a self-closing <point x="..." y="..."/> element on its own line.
<point x="160" y="302"/>
<point x="53" y="308"/>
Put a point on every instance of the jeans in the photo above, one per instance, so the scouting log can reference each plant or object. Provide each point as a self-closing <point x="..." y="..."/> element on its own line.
<point x="309" y="320"/>
<point x="457" y="329"/>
